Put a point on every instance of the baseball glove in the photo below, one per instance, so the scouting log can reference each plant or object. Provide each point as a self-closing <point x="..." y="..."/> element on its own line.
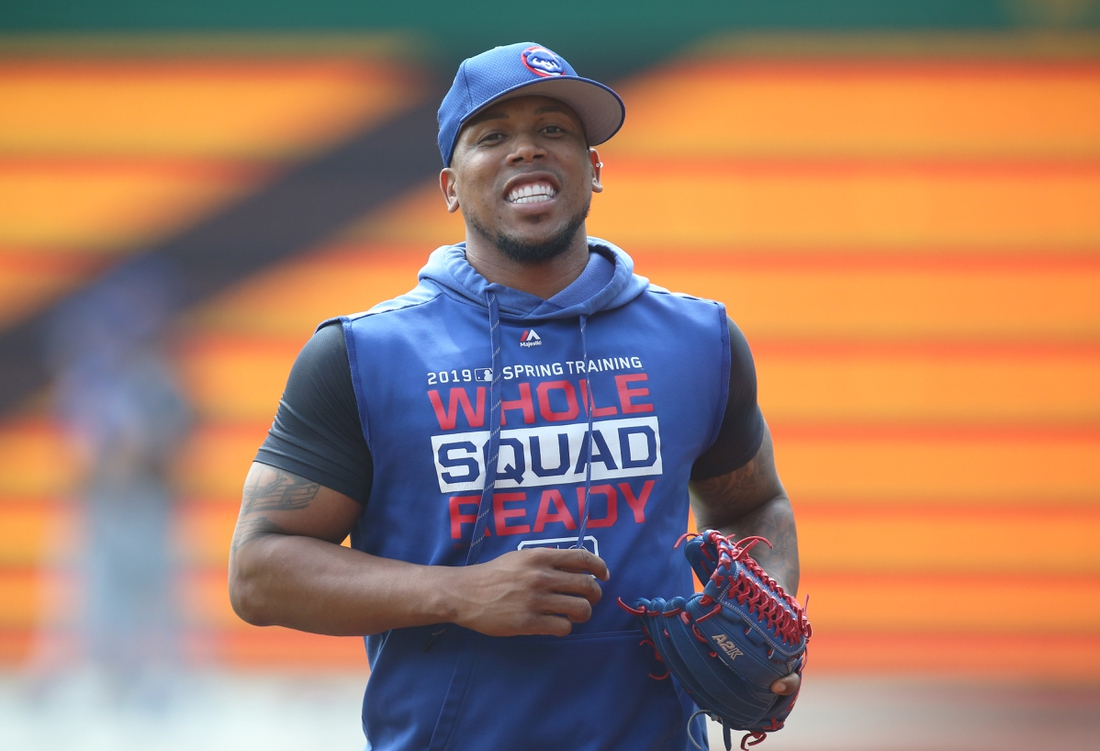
<point x="728" y="644"/>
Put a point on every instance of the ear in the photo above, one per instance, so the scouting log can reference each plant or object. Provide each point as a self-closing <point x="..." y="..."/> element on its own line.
<point x="447" y="184"/>
<point x="597" y="170"/>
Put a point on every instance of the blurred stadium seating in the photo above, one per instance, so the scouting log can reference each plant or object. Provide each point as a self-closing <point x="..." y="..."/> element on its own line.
<point x="911" y="244"/>
<point x="100" y="156"/>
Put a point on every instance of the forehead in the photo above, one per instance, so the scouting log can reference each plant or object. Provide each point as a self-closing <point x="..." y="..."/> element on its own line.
<point x="521" y="106"/>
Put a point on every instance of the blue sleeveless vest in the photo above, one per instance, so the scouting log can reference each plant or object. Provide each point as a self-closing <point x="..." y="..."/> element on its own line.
<point x="595" y="403"/>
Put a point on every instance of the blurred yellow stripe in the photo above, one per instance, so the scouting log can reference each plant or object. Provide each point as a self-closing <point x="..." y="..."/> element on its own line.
<point x="847" y="297"/>
<point x="876" y="108"/>
<point x="805" y="207"/>
<point x="82" y="207"/>
<point x="25" y="531"/>
<point x="20" y="597"/>
<point x="954" y="603"/>
<point x="201" y="108"/>
<point x="29" y="280"/>
<point x="1045" y="469"/>
<point x="988" y="655"/>
<point x="276" y="647"/>
<point x="35" y="460"/>
<point x="951" y="540"/>
<point x="292" y="298"/>
<point x="218" y="456"/>
<point x="929" y="385"/>
<point x="238" y="378"/>
<point x="205" y="531"/>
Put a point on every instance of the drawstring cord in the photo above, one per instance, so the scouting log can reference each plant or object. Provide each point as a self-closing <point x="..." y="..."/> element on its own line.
<point x="492" y="450"/>
<point x="589" y="404"/>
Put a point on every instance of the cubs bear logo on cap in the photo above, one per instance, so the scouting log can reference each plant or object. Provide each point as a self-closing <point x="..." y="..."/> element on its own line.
<point x="525" y="69"/>
<point x="543" y="62"/>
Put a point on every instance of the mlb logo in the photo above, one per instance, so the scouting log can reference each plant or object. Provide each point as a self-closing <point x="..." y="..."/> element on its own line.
<point x="483" y="374"/>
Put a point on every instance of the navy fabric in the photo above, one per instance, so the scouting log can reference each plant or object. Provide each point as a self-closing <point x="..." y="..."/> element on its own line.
<point x="525" y="69"/>
<point x="657" y="369"/>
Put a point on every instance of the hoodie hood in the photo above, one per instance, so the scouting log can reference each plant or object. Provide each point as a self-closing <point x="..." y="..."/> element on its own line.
<point x="607" y="282"/>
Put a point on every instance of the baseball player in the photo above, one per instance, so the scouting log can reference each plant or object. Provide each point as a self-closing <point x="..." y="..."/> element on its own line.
<point x="510" y="447"/>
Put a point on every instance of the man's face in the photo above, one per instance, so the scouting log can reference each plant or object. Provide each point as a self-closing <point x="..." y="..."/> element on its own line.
<point x="523" y="176"/>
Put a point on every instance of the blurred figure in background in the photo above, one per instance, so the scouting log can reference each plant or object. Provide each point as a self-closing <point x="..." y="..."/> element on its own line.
<point x="126" y="417"/>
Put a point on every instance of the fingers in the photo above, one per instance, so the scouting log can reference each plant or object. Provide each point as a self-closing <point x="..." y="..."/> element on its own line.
<point x="563" y="612"/>
<point x="550" y="625"/>
<point x="535" y="591"/>
<point x="574" y="609"/>
<point x="579" y="560"/>
<point x="576" y="585"/>
<point x="787" y="685"/>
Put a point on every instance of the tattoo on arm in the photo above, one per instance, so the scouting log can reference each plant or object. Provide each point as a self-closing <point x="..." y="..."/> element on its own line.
<point x="270" y="490"/>
<point x="278" y="491"/>
<point x="773" y="521"/>
<point x="751" y="501"/>
<point x="732" y="495"/>
<point x="249" y="529"/>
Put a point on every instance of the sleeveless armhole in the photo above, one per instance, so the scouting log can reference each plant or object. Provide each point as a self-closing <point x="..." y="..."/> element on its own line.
<point x="742" y="429"/>
<point x="317" y="432"/>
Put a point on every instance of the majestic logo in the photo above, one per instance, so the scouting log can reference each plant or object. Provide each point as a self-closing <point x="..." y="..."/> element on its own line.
<point x="530" y="339"/>
<point x="726" y="646"/>
<point x="543" y="62"/>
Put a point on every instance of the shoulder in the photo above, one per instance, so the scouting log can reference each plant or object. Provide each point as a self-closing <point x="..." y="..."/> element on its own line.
<point x="409" y="303"/>
<point x="325" y="349"/>
<point x="682" y="297"/>
<point x="692" y="319"/>
<point x="683" y="305"/>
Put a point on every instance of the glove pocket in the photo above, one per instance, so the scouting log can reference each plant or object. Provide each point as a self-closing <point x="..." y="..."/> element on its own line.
<point x="738" y="642"/>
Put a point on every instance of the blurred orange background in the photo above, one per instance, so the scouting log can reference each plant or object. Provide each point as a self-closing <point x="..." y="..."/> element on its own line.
<point x="909" y="238"/>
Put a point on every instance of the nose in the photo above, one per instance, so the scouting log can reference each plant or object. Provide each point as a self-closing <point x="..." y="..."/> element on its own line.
<point x="526" y="148"/>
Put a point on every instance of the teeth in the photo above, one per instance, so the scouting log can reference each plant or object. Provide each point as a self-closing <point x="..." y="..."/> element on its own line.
<point x="532" y="193"/>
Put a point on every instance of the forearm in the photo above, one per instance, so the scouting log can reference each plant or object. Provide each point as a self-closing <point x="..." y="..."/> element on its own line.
<point x="751" y="501"/>
<point x="313" y="585"/>
<point x="774" y="521"/>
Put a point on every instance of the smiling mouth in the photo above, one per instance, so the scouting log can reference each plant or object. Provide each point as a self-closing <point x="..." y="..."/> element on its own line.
<point x="533" y="193"/>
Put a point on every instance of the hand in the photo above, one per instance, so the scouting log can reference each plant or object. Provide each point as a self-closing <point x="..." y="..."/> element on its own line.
<point x="533" y="591"/>
<point x="787" y="685"/>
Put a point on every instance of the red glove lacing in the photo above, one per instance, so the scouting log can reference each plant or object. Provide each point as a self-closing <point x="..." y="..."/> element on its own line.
<point x="789" y="625"/>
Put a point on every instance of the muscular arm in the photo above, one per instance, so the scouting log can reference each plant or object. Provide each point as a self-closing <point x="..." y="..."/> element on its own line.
<point x="751" y="501"/>
<point x="287" y="567"/>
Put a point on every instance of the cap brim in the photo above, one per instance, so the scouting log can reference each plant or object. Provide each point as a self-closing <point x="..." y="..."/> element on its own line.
<point x="600" y="109"/>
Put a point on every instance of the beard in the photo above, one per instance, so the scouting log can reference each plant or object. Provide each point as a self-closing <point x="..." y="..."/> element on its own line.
<point x="519" y="251"/>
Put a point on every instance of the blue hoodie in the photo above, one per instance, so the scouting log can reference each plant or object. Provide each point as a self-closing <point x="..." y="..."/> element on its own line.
<point x="459" y="371"/>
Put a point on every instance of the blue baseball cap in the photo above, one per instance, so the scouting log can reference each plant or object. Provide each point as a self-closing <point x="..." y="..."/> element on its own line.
<point x="525" y="69"/>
